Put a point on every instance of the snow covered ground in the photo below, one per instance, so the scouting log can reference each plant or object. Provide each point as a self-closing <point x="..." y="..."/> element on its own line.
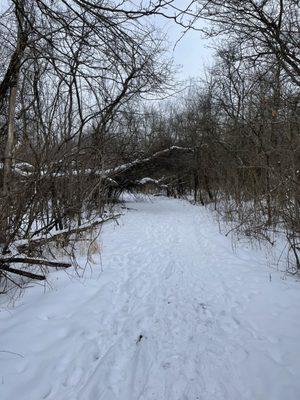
<point x="170" y="313"/>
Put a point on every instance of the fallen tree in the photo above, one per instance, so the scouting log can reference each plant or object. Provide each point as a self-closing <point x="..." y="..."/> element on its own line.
<point x="24" y="248"/>
<point x="35" y="242"/>
<point x="161" y="159"/>
<point x="33" y="261"/>
<point x="166" y="163"/>
<point x="7" y="269"/>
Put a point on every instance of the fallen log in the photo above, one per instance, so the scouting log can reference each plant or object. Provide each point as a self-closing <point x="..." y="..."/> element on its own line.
<point x="22" y="259"/>
<point x="27" y="170"/>
<point x="20" y="272"/>
<point x="152" y="160"/>
<point x="34" y="261"/>
<point x="40" y="241"/>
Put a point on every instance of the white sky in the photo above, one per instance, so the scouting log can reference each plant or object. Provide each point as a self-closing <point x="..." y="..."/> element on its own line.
<point x="192" y="52"/>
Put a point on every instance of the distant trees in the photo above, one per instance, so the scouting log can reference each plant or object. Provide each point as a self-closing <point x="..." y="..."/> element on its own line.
<point x="244" y="120"/>
<point x="243" y="123"/>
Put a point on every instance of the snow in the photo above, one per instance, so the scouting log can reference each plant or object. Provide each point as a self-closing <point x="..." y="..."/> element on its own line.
<point x="170" y="313"/>
<point x="146" y="180"/>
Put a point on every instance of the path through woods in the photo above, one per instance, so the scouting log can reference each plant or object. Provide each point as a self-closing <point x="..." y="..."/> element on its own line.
<point x="170" y="313"/>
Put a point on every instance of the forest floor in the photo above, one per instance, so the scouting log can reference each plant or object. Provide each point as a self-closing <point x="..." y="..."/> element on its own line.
<point x="167" y="311"/>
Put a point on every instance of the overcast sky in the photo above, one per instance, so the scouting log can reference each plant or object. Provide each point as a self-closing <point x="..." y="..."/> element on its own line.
<point x="192" y="52"/>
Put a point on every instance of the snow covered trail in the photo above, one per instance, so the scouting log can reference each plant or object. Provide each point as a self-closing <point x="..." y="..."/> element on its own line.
<point x="172" y="313"/>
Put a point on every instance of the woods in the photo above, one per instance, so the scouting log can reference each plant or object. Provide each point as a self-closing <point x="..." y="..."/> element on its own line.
<point x="70" y="68"/>
<point x="77" y="129"/>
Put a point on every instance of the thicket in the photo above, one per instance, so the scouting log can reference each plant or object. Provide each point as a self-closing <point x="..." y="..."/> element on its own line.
<point x="76" y="129"/>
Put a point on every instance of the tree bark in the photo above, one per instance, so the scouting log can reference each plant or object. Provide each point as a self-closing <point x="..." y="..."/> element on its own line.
<point x="9" y="148"/>
<point x="12" y="78"/>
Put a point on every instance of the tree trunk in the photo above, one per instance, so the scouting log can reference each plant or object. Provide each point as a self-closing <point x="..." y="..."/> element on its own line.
<point x="12" y="77"/>
<point x="9" y="149"/>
